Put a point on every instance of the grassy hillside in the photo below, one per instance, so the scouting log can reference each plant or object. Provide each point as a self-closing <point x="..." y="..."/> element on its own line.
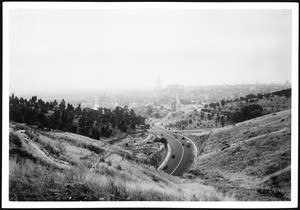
<point x="61" y="166"/>
<point x="194" y="118"/>
<point x="250" y="160"/>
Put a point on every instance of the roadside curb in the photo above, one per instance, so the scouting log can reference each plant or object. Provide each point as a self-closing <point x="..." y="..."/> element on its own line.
<point x="166" y="158"/>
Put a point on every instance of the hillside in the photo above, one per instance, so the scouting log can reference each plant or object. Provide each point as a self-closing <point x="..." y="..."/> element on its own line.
<point x="217" y="115"/>
<point x="251" y="160"/>
<point x="62" y="166"/>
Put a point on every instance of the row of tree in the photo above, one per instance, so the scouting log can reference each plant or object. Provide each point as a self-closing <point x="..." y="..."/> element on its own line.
<point x="246" y="113"/>
<point x="231" y="117"/>
<point x="87" y="122"/>
<point x="251" y="98"/>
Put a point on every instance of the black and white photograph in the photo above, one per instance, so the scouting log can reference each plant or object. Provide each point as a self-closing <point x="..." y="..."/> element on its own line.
<point x="114" y="104"/>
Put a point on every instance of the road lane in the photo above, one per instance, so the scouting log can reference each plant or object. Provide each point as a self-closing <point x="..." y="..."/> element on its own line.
<point x="188" y="157"/>
<point x="184" y="155"/>
<point x="176" y="149"/>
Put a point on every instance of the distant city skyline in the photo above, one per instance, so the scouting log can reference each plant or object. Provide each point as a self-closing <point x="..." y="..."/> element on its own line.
<point x="56" y="49"/>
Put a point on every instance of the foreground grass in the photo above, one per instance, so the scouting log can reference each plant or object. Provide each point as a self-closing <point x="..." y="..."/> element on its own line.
<point x="55" y="166"/>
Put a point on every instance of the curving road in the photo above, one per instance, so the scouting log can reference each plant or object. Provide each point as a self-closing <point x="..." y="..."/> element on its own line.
<point x="182" y="156"/>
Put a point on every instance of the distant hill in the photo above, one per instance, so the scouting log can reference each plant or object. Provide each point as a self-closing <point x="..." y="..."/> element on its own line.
<point x="215" y="115"/>
<point x="251" y="160"/>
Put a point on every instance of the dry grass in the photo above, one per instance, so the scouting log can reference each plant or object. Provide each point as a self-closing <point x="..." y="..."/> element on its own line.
<point x="38" y="172"/>
<point x="255" y="150"/>
<point x="31" y="181"/>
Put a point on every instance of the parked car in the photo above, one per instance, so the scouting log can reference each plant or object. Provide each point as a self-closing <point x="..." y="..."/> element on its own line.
<point x="183" y="138"/>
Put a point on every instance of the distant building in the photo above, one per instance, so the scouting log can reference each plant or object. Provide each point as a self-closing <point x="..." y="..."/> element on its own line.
<point x="158" y="86"/>
<point x="173" y="106"/>
<point x="96" y="103"/>
<point x="175" y="87"/>
<point x="287" y="83"/>
<point x="96" y="107"/>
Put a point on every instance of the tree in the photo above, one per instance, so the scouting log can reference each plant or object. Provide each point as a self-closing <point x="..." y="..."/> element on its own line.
<point x="218" y="119"/>
<point x="78" y="110"/>
<point x="55" y="119"/>
<point x="55" y="103"/>
<point x="62" y="105"/>
<point x="15" y="115"/>
<point x="43" y="121"/>
<point x="202" y="115"/>
<point x="88" y="122"/>
<point x="105" y="131"/>
<point x="70" y="107"/>
<point x="223" y="102"/>
<point x="34" y="99"/>
<point x="149" y="110"/>
<point x="156" y="115"/>
<point x="29" y="116"/>
<point x="250" y="96"/>
<point x="209" y="117"/>
<point x="95" y="134"/>
<point x="222" y="121"/>
<point x="259" y="96"/>
<point x="212" y="105"/>
<point x="255" y="111"/>
<point x="41" y="104"/>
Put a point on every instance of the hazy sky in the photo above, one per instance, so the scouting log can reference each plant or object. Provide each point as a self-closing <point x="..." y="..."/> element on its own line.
<point x="59" y="48"/>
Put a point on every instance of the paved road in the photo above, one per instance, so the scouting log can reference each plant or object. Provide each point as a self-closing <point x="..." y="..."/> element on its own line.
<point x="184" y="155"/>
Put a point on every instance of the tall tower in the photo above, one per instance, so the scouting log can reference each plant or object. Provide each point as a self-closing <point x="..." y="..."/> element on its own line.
<point x="158" y="83"/>
<point x="173" y="106"/>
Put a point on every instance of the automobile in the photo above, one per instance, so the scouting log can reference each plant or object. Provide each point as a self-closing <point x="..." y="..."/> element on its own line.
<point x="188" y="144"/>
<point x="182" y="144"/>
<point x="173" y="156"/>
<point x="175" y="137"/>
<point x="183" y="138"/>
